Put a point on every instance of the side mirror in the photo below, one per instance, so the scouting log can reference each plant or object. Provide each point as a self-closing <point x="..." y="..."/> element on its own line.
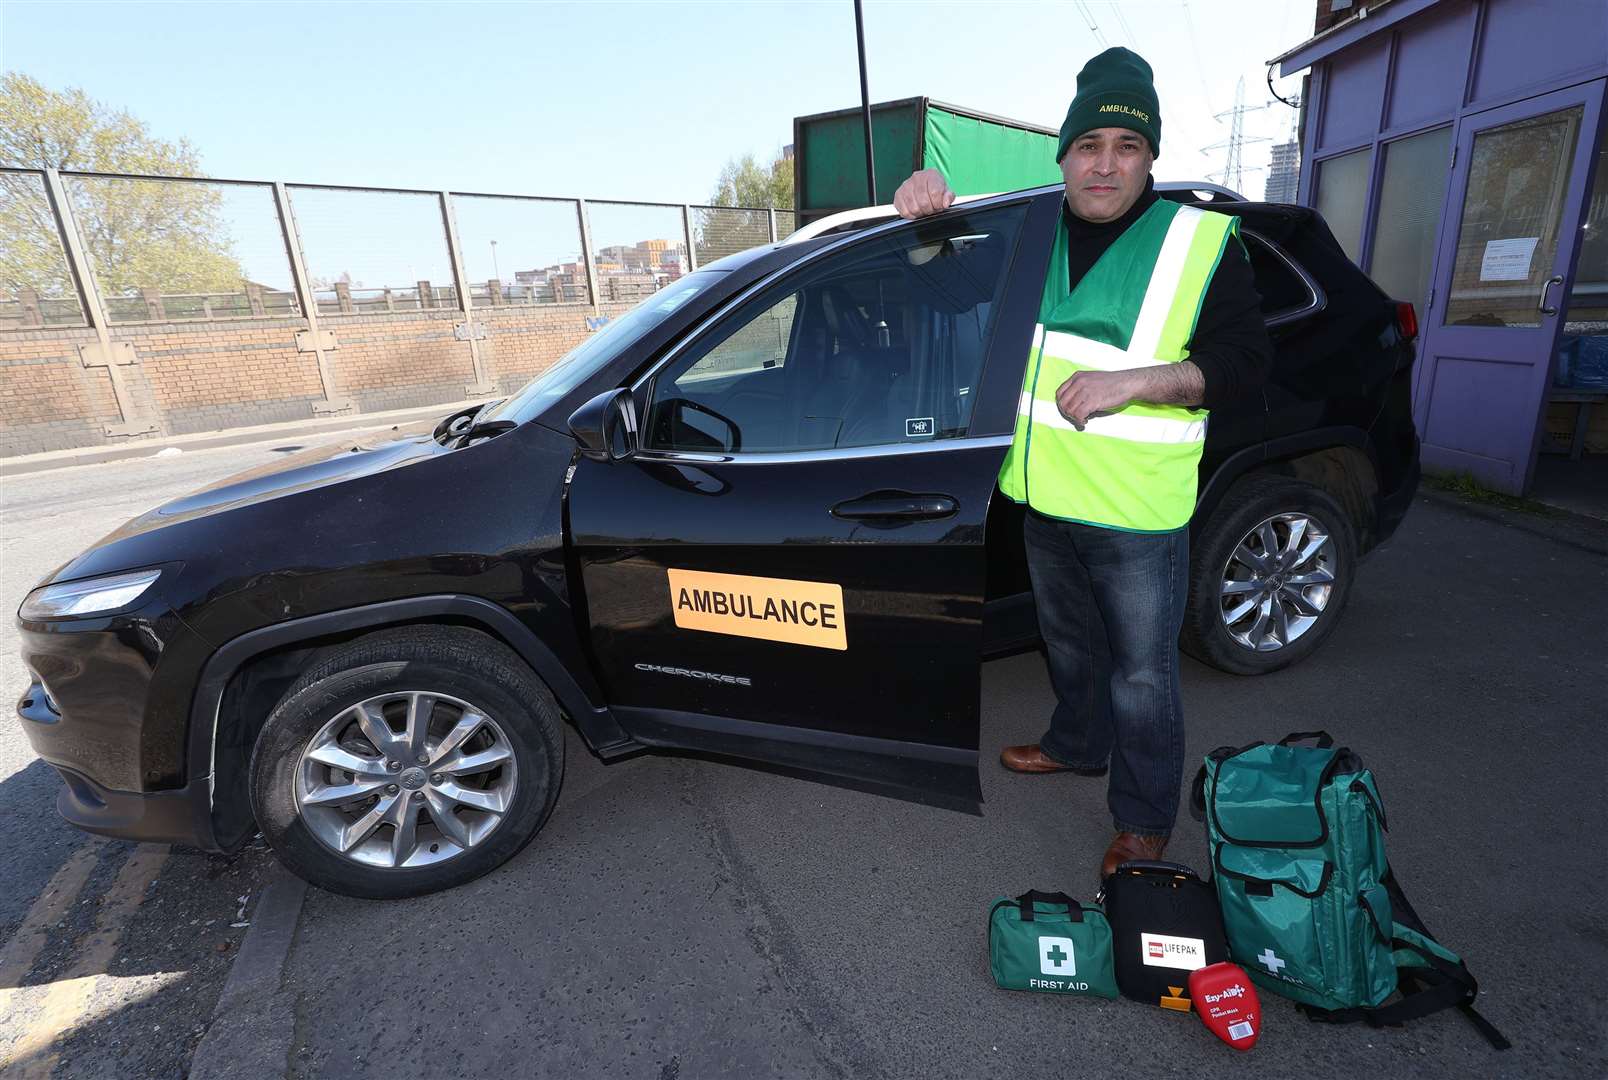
<point x="606" y="426"/>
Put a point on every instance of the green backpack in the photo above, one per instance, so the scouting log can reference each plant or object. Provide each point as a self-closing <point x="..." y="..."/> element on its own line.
<point x="1296" y="838"/>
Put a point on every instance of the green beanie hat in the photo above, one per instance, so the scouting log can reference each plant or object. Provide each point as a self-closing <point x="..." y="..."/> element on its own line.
<point x="1115" y="89"/>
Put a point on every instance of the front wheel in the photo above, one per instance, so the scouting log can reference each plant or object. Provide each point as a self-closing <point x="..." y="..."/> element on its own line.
<point x="407" y="762"/>
<point x="1270" y="575"/>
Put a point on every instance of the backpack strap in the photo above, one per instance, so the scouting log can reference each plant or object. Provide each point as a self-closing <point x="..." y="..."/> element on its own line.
<point x="1430" y="977"/>
<point x="1427" y="987"/>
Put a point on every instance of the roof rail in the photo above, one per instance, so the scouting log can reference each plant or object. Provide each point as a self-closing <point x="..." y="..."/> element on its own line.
<point x="1200" y="185"/>
<point x="867" y="214"/>
<point x="863" y="214"/>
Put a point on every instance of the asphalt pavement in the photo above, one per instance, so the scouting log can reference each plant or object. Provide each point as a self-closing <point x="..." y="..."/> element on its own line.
<point x="112" y="955"/>
<point x="686" y="918"/>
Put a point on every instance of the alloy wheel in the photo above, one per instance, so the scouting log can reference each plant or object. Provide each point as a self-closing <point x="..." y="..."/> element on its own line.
<point x="406" y="779"/>
<point x="1277" y="582"/>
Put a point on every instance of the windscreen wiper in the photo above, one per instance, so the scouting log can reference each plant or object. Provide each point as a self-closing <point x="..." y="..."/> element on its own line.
<point x="484" y="429"/>
<point x="455" y="425"/>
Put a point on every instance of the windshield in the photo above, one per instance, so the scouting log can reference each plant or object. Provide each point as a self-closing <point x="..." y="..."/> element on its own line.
<point x="595" y="353"/>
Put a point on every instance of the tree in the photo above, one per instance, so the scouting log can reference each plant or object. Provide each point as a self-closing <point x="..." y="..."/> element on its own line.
<point x="137" y="233"/>
<point x="743" y="183"/>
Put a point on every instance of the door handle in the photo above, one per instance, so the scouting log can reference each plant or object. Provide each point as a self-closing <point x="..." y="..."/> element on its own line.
<point x="897" y="504"/>
<point x="1541" y="303"/>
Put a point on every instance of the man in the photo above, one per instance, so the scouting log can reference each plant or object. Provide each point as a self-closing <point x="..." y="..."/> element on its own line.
<point x="1149" y="317"/>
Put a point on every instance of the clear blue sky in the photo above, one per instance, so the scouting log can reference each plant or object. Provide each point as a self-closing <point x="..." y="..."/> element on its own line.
<point x="615" y="100"/>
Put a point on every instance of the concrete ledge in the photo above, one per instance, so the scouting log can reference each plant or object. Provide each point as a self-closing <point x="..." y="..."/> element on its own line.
<point x="206" y="440"/>
<point x="1564" y="526"/>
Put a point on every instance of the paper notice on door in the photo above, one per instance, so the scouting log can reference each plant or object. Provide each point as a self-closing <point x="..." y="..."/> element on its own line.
<point x="1508" y="260"/>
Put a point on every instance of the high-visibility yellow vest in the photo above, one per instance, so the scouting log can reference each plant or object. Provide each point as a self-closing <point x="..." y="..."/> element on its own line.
<point x="1133" y="469"/>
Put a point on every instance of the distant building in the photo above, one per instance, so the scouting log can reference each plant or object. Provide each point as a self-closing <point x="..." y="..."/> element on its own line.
<point x="1283" y="174"/>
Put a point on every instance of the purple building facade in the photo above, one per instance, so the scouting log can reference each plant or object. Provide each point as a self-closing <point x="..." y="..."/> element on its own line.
<point x="1456" y="148"/>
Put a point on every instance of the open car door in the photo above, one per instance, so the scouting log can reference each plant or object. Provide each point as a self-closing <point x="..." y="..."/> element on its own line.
<point x="790" y="567"/>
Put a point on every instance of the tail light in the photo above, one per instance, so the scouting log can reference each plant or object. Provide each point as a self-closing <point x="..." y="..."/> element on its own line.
<point x="1407" y="320"/>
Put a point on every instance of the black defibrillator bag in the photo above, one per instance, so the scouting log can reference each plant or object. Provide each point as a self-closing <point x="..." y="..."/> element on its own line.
<point x="1165" y="923"/>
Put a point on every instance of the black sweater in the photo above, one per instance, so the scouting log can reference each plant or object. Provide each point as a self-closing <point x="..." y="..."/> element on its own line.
<point x="1230" y="344"/>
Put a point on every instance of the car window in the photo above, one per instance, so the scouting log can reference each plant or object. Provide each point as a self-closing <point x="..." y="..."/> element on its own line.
<point x="1283" y="291"/>
<point x="880" y="343"/>
<point x="600" y="348"/>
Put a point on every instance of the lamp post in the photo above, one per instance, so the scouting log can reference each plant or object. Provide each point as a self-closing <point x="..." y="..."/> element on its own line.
<point x="865" y="109"/>
<point x="496" y="273"/>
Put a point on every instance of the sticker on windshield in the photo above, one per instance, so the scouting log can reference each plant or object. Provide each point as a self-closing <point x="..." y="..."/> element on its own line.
<point x="918" y="427"/>
<point x="775" y="609"/>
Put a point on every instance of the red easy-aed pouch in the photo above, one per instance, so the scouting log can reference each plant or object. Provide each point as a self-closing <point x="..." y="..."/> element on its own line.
<point x="1227" y="1003"/>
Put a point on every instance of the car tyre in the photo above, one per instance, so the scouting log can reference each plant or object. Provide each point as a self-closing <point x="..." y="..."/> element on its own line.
<point x="459" y="679"/>
<point x="1300" y="588"/>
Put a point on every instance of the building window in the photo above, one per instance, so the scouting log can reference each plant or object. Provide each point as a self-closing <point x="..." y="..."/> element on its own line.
<point x="1410" y="195"/>
<point x="1342" y="191"/>
<point x="1507" y="237"/>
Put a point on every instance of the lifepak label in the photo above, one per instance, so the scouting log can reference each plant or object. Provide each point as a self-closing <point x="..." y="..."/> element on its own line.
<point x="1184" y="953"/>
<point x="775" y="609"/>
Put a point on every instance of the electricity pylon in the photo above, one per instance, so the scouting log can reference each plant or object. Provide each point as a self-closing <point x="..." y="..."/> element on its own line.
<point x="1232" y="174"/>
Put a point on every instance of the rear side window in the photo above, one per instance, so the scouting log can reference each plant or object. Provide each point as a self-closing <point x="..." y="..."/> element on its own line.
<point x="878" y="344"/>
<point x="1286" y="295"/>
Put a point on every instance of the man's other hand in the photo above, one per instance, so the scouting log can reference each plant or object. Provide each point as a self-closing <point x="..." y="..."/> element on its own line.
<point x="925" y="192"/>
<point x="1088" y="393"/>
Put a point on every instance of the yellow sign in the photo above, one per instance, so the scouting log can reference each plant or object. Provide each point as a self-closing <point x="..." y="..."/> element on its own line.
<point x="776" y="609"/>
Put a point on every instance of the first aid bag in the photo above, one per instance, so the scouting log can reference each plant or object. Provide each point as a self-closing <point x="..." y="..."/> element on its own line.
<point x="1050" y="943"/>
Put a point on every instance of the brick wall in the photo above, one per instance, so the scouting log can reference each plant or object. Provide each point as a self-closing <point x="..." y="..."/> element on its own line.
<point x="193" y="377"/>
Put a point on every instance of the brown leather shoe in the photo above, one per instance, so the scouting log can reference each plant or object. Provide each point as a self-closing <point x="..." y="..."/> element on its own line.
<point x="1128" y="846"/>
<point x="1030" y="759"/>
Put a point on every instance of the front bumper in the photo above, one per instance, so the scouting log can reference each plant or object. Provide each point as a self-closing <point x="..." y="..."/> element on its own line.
<point x="108" y="708"/>
<point x="154" y="817"/>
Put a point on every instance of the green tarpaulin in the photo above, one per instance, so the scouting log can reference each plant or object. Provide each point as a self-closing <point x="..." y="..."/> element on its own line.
<point x="978" y="154"/>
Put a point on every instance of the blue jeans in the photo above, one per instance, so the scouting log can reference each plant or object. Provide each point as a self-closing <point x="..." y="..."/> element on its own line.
<point x="1110" y="605"/>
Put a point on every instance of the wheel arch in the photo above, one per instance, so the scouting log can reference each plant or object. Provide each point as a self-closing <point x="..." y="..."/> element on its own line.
<point x="243" y="680"/>
<point x="1338" y="460"/>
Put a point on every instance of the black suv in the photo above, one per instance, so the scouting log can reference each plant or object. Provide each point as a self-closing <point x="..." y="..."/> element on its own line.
<point x="756" y="516"/>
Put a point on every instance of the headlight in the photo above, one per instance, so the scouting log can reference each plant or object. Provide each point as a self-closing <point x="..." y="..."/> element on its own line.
<point x="89" y="597"/>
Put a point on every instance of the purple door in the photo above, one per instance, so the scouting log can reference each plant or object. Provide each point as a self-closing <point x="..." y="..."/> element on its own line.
<point x="1517" y="189"/>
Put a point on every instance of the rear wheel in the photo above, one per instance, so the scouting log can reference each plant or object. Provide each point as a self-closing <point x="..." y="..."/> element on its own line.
<point x="407" y="762"/>
<point x="1269" y="577"/>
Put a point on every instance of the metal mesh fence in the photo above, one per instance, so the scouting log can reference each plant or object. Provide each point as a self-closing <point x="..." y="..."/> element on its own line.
<point x="521" y="251"/>
<point x="168" y="249"/>
<point x="372" y="252"/>
<point x="786" y="223"/>
<point x="719" y="231"/>
<point x="178" y="250"/>
<point x="36" y="285"/>
<point x="637" y="248"/>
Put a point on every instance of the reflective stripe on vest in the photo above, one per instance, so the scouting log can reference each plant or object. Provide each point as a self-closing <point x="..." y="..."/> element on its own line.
<point x="1133" y="469"/>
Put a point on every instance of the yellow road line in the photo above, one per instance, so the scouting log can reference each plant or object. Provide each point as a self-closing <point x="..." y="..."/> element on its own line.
<point x="68" y="998"/>
<point x="54" y="899"/>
